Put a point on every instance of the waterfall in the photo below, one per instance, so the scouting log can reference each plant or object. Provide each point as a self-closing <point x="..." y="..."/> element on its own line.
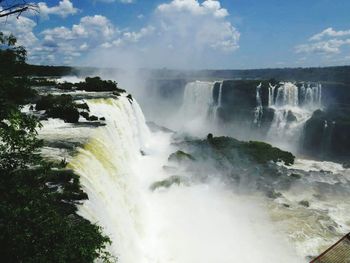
<point x="287" y="95"/>
<point x="293" y="107"/>
<point x="198" y="111"/>
<point x="105" y="168"/>
<point x="198" y="99"/>
<point x="271" y="94"/>
<point x="313" y="96"/>
<point x="219" y="101"/>
<point x="205" y="222"/>
<point x="259" y="108"/>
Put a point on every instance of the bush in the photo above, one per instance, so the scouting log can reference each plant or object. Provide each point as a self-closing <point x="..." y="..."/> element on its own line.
<point x="62" y="107"/>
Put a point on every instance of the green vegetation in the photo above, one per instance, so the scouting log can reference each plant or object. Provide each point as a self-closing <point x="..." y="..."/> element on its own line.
<point x="38" y="220"/>
<point x="62" y="107"/>
<point x="167" y="183"/>
<point x="259" y="152"/>
<point x="92" y="84"/>
<point x="180" y="156"/>
<point x="263" y="152"/>
<point x="38" y="82"/>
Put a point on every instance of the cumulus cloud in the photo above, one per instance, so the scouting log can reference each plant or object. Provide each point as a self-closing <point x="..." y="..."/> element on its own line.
<point x="193" y="7"/>
<point x="68" y="43"/>
<point x="331" y="46"/>
<point x="179" y="33"/>
<point x="21" y="27"/>
<point x="197" y="25"/>
<point x="328" y="42"/>
<point x="330" y="32"/>
<point x="63" y="9"/>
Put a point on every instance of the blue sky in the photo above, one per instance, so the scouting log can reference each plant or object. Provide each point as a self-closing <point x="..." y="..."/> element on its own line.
<point x="207" y="34"/>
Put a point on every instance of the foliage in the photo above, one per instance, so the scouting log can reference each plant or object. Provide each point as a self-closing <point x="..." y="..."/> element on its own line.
<point x="259" y="152"/>
<point x="179" y="156"/>
<point x="39" y="82"/>
<point x="12" y="56"/>
<point x="92" y="84"/>
<point x="38" y="220"/>
<point x="62" y="107"/>
<point x="263" y="152"/>
<point x="18" y="141"/>
<point x="168" y="182"/>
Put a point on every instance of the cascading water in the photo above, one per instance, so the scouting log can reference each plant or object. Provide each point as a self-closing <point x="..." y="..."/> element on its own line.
<point x="199" y="109"/>
<point x="197" y="221"/>
<point x="259" y="108"/>
<point x="203" y="222"/>
<point x="271" y="94"/>
<point x="293" y="107"/>
<point x="219" y="101"/>
<point x="105" y="168"/>
<point x="198" y="99"/>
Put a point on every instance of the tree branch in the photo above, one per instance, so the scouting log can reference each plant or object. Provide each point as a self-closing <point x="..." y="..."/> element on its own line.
<point x="17" y="9"/>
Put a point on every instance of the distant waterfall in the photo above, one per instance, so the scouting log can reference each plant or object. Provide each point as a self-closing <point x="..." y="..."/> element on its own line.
<point x="293" y="106"/>
<point x="259" y="107"/>
<point x="271" y="94"/>
<point x="199" y="111"/>
<point x="219" y="101"/>
<point x="105" y="168"/>
<point x="287" y="95"/>
<point x="198" y="99"/>
<point x="313" y="96"/>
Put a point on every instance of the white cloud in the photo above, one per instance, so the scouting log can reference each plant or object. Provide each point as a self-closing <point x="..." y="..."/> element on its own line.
<point x="67" y="43"/>
<point x="331" y="46"/>
<point x="194" y="7"/>
<point x="137" y="36"/>
<point x="63" y="9"/>
<point x="329" y="32"/>
<point x="22" y="28"/>
<point x="180" y="33"/>
<point x="197" y="25"/>
<point x="328" y="43"/>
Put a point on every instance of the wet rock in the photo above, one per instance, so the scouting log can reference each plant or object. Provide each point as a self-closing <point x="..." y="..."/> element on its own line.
<point x="304" y="203"/>
<point x="295" y="176"/>
<point x="273" y="194"/>
<point x="291" y="117"/>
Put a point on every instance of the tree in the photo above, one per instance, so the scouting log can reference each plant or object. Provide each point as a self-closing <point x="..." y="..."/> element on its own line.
<point x="38" y="199"/>
<point x="18" y="141"/>
<point x="16" y="7"/>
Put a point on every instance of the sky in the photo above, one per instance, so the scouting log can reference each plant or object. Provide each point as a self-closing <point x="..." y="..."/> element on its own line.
<point x="185" y="34"/>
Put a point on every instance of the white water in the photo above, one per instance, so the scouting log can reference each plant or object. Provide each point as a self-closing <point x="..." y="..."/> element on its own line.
<point x="272" y="94"/>
<point x="325" y="185"/>
<point x="197" y="108"/>
<point x="259" y="107"/>
<point x="218" y="103"/>
<point x="183" y="224"/>
<point x="288" y="102"/>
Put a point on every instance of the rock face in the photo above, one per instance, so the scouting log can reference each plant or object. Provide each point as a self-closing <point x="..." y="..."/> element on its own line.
<point x="326" y="134"/>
